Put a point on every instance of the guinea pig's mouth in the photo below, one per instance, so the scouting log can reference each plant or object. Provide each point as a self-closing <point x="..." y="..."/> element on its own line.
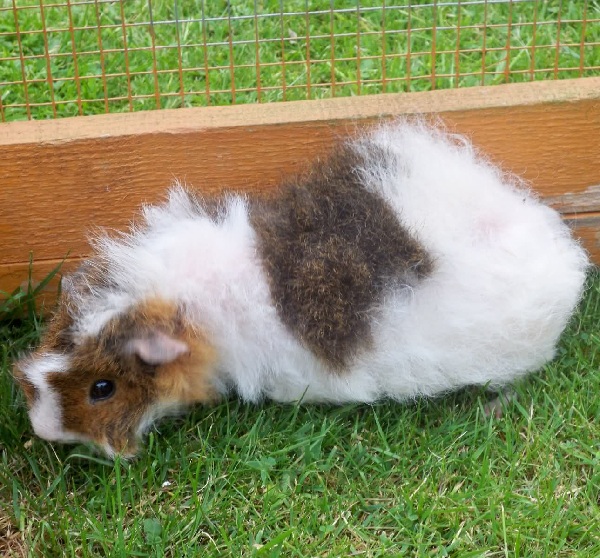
<point x="128" y="445"/>
<point x="129" y="451"/>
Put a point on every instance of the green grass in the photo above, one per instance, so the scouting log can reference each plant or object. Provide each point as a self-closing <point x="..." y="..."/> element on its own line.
<point x="352" y="63"/>
<point x="434" y="478"/>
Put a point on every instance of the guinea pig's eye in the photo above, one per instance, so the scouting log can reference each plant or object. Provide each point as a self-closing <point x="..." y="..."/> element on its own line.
<point x="102" y="389"/>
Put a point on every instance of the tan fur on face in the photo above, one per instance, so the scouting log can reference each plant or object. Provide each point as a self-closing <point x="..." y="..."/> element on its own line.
<point x="185" y="380"/>
<point x="141" y="389"/>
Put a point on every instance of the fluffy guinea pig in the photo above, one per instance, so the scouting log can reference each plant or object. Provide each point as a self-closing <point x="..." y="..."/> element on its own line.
<point x="403" y="265"/>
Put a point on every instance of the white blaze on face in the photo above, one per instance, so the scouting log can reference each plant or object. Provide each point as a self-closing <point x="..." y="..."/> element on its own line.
<point x="46" y="412"/>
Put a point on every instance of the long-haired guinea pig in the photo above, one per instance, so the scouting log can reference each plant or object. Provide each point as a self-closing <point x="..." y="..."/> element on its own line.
<point x="403" y="265"/>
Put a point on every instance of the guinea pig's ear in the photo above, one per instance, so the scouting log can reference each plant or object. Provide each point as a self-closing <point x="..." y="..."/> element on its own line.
<point x="156" y="348"/>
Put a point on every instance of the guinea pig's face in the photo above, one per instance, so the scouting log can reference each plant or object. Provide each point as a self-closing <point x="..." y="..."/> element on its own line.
<point x="108" y="388"/>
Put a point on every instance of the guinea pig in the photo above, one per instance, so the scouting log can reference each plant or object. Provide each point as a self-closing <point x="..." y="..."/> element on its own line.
<point x="403" y="265"/>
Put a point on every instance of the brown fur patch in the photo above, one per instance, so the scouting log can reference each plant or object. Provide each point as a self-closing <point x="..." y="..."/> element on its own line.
<point x="139" y="386"/>
<point x="331" y="248"/>
<point x="90" y="274"/>
<point x="57" y="335"/>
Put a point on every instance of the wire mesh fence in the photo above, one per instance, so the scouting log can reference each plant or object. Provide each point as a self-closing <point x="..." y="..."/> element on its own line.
<point x="64" y="58"/>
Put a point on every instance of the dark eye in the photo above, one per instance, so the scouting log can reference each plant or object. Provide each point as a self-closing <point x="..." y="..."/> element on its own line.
<point x="102" y="389"/>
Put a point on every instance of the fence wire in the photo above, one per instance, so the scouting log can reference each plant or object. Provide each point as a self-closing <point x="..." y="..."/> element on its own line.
<point x="65" y="58"/>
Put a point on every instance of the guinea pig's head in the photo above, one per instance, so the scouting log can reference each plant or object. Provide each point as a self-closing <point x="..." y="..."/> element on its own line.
<point x="108" y="387"/>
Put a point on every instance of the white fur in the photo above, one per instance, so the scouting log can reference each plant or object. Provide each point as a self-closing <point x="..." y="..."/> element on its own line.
<point x="45" y="413"/>
<point x="507" y="276"/>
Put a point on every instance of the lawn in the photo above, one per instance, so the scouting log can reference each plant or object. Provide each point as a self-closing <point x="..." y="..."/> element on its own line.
<point x="430" y="478"/>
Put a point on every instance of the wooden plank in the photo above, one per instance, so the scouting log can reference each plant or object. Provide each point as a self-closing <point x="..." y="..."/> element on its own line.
<point x="586" y="227"/>
<point x="13" y="276"/>
<point x="61" y="178"/>
<point x="173" y="121"/>
<point x="577" y="202"/>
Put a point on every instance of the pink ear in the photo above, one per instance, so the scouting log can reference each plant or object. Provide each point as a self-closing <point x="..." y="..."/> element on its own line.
<point x="157" y="348"/>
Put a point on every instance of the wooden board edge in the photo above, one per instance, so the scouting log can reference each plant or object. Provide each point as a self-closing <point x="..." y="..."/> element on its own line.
<point x="486" y="103"/>
<point x="343" y="108"/>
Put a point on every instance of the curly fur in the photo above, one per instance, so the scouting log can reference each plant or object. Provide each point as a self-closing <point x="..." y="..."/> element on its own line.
<point x="331" y="249"/>
<point x="483" y="282"/>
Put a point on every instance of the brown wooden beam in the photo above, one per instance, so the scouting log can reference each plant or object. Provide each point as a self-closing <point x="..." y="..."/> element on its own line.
<point x="61" y="179"/>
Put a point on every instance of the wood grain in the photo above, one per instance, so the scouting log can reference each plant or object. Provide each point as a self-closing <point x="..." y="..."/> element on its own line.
<point x="61" y="179"/>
